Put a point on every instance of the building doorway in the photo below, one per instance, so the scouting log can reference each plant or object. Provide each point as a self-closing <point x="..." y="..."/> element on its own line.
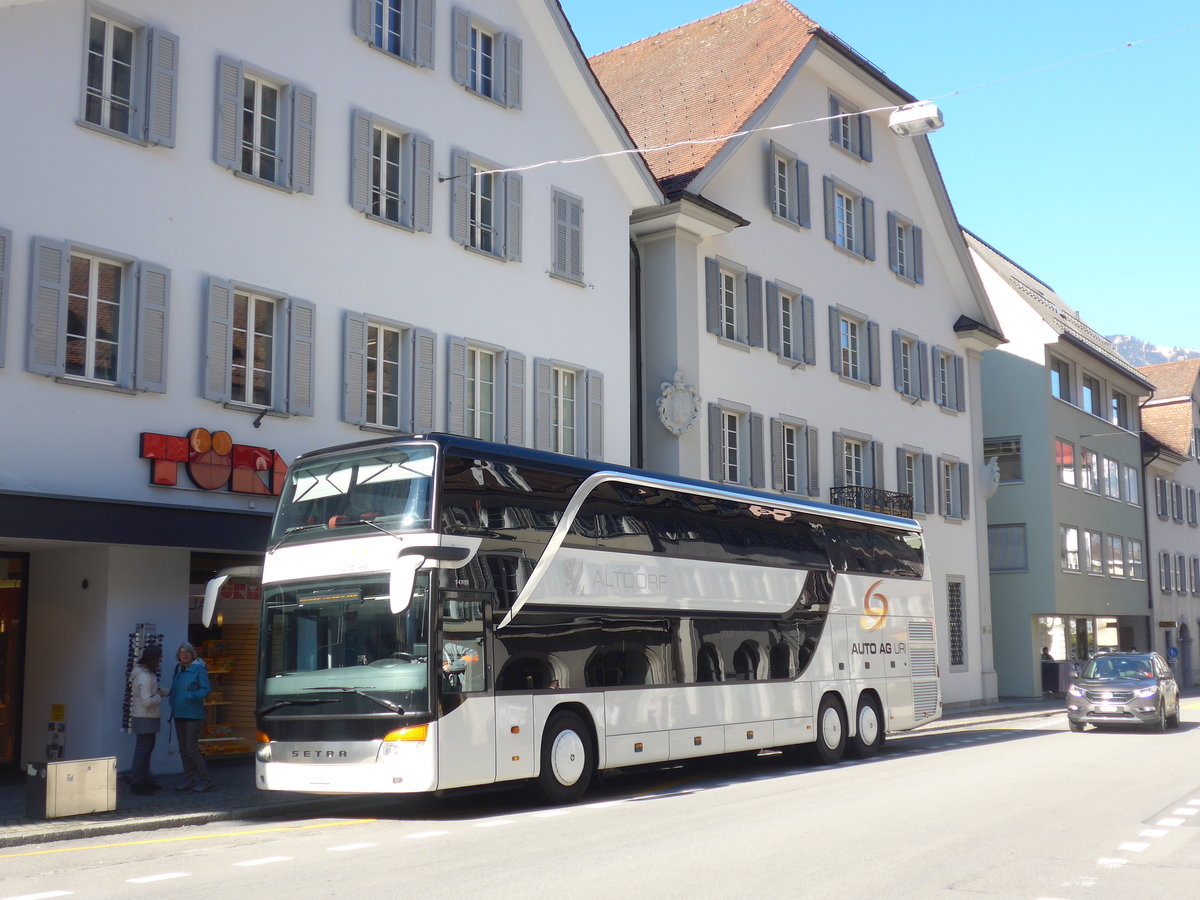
<point x="14" y="568"/>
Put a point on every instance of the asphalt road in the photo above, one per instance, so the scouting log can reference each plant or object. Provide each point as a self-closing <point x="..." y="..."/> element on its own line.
<point x="1023" y="809"/>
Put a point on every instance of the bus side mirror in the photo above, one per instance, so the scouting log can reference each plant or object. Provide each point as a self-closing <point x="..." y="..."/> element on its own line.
<point x="404" y="574"/>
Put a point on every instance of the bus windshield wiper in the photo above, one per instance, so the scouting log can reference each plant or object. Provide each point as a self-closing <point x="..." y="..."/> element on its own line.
<point x="307" y="701"/>
<point x="378" y="701"/>
<point x="295" y="529"/>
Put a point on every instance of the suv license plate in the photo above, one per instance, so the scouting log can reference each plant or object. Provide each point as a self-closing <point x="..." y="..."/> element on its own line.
<point x="1106" y="708"/>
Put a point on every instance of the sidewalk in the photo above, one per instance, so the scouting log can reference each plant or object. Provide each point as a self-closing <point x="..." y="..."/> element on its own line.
<point x="234" y="796"/>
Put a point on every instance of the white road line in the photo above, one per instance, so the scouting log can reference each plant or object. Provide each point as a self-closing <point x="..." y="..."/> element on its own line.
<point x="493" y="823"/>
<point x="1169" y="821"/>
<point x="344" y="847"/>
<point x="1186" y="811"/>
<point x="425" y="834"/>
<point x="1111" y="862"/>
<point x="150" y="879"/>
<point x="551" y="813"/>
<point x="1194" y="803"/>
<point x="1153" y="832"/>
<point x="47" y="895"/>
<point x="1133" y="846"/>
<point x="264" y="861"/>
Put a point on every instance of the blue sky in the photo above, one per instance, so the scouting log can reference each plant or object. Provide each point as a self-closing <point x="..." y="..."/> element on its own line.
<point x="1085" y="174"/>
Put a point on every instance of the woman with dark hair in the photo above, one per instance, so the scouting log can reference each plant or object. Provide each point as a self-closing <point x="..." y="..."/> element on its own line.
<point x="146" y="716"/>
<point x="189" y="687"/>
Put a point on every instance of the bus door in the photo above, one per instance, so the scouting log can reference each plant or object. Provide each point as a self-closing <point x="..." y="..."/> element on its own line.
<point x="467" y="722"/>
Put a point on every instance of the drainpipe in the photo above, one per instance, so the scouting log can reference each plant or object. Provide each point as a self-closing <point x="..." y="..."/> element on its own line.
<point x="638" y="448"/>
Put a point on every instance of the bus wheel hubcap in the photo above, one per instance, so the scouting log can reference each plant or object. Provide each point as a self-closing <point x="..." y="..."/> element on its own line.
<point x="567" y="757"/>
<point x="868" y="725"/>
<point x="831" y="728"/>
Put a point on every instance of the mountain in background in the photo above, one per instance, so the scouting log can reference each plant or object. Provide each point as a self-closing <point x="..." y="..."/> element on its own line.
<point x="1138" y="353"/>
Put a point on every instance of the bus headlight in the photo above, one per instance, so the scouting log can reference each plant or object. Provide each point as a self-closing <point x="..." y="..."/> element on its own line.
<point x="263" y="753"/>
<point x="393" y="739"/>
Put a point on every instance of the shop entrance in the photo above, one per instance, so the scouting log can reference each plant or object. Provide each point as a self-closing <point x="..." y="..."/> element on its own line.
<point x="14" y="568"/>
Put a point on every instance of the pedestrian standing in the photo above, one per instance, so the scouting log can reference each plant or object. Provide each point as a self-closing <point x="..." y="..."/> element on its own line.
<point x="189" y="687"/>
<point x="146" y="717"/>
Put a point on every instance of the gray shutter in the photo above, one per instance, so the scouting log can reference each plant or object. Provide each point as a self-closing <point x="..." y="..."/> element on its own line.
<point x="5" y="265"/>
<point x="868" y="211"/>
<point x="964" y="490"/>
<point x="901" y="460"/>
<point x="960" y="385"/>
<point x="772" y="198"/>
<point x="154" y="292"/>
<point x="712" y="295"/>
<point x="807" y="317"/>
<point x="514" y="389"/>
<point x="218" y="340"/>
<point x="716" y="467"/>
<point x="460" y="199"/>
<point x="47" y="349"/>
<point x="354" y="368"/>
<point x="575" y="238"/>
<point x="803" y="214"/>
<point x="360" y="161"/>
<point x="835" y="340"/>
<point x="893" y="250"/>
<point x="456" y="386"/>
<point x="918" y="247"/>
<point x="777" y="469"/>
<point x="830" y="230"/>
<point x="461" y="64"/>
<point x="934" y="382"/>
<point x="839" y="459"/>
<point x="543" y="403"/>
<point x="558" y="249"/>
<point x="162" y="89"/>
<point x="512" y="71"/>
<point x="424" y="379"/>
<point x="228" y="142"/>
<point x="774" y="343"/>
<point x="877" y="480"/>
<point x="897" y="369"/>
<point x="595" y="414"/>
<point x="422" y="183"/>
<point x="835" y="123"/>
<point x="923" y="368"/>
<point x="304" y="123"/>
<point x="512" y="218"/>
<point x="810" y="461"/>
<point x="362" y="20"/>
<point x="864" y="136"/>
<point x="302" y="316"/>
<point x="423" y="39"/>
<point x="876" y="377"/>
<point x="758" y="475"/>
<point x="928" y="487"/>
<point x="754" y="309"/>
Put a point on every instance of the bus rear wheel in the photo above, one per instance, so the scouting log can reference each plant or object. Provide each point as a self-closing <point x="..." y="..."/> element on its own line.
<point x="831" y="730"/>
<point x="568" y="761"/>
<point x="868" y="728"/>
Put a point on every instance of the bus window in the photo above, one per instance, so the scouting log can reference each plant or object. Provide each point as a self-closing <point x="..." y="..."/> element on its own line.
<point x="463" y="664"/>
<point x="781" y="661"/>
<point x="526" y="673"/>
<point x="745" y="662"/>
<point x="708" y="664"/>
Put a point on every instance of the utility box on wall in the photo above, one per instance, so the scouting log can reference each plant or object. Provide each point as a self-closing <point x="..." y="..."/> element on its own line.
<point x="70" y="787"/>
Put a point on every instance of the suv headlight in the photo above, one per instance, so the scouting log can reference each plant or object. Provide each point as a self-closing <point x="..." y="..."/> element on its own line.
<point x="1075" y="690"/>
<point x="1145" y="693"/>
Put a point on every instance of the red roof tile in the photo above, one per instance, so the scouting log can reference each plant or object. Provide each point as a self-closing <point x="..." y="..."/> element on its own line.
<point x="701" y="81"/>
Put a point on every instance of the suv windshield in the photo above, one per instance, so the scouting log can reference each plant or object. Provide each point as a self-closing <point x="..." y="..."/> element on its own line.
<point x="385" y="489"/>
<point x="335" y="647"/>
<point x="1112" y="666"/>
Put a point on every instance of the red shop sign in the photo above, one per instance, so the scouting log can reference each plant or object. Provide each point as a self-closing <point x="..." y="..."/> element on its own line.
<point x="213" y="462"/>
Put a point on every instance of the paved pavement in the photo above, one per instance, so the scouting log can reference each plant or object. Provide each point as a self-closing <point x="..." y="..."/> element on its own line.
<point x="234" y="796"/>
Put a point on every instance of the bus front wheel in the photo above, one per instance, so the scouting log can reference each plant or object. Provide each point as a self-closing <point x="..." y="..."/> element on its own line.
<point x="568" y="761"/>
<point x="868" y="728"/>
<point x="831" y="730"/>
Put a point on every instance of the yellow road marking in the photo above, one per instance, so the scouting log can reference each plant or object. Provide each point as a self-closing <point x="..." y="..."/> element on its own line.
<point x="191" y="837"/>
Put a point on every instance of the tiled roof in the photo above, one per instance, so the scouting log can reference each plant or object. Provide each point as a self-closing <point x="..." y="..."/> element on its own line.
<point x="1171" y="424"/>
<point x="1173" y="379"/>
<point x="701" y="81"/>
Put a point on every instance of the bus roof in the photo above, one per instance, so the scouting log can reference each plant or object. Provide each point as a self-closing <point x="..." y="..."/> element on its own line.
<point x="474" y="446"/>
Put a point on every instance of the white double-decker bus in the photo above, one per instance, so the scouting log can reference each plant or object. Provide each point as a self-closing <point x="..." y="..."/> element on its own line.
<point x="440" y="612"/>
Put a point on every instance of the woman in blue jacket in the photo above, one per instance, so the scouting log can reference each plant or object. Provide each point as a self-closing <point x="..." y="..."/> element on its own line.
<point x="189" y="687"/>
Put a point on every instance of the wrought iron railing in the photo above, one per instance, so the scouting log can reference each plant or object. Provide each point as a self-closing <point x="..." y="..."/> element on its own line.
<point x="872" y="499"/>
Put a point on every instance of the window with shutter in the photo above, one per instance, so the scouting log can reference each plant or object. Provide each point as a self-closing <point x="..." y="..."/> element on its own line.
<point x="130" y="79"/>
<point x="391" y="172"/>
<point x="400" y="28"/>
<point x="905" y="248"/>
<point x="849" y="218"/>
<point x="486" y="59"/>
<point x="485" y="207"/>
<point x="849" y="129"/>
<point x="787" y="186"/>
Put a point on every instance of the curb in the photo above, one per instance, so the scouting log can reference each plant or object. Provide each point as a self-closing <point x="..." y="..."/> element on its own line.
<point x="39" y="834"/>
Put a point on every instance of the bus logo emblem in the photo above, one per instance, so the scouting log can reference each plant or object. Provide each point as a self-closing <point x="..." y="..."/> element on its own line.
<point x="572" y="572"/>
<point x="876" y="615"/>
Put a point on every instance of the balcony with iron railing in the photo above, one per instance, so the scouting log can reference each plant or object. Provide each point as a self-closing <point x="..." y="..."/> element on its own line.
<point x="891" y="503"/>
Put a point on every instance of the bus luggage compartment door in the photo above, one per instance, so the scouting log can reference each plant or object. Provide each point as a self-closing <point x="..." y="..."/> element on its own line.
<point x="514" y="736"/>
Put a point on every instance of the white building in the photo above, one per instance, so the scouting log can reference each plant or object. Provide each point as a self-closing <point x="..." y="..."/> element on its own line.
<point x="229" y="234"/>
<point x="809" y="317"/>
<point x="1170" y="449"/>
<point x="1066" y="526"/>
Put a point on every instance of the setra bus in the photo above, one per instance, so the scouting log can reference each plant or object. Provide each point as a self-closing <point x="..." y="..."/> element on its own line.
<point x="440" y="612"/>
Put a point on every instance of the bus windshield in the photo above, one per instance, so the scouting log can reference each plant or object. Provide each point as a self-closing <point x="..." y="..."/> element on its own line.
<point x="337" y="642"/>
<point x="385" y="488"/>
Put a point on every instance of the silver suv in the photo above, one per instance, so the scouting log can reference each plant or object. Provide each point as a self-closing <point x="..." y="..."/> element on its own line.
<point x="1124" y="689"/>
